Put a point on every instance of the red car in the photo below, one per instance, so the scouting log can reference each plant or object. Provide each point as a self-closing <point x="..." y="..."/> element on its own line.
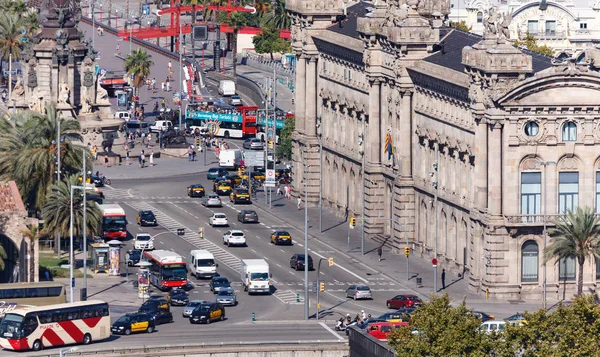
<point x="403" y="301"/>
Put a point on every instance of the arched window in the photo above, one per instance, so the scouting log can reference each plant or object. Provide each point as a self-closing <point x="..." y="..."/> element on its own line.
<point x="569" y="131"/>
<point x="529" y="261"/>
<point x="479" y="17"/>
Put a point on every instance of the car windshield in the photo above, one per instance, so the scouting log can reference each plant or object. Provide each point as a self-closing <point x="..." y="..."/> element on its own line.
<point x="363" y="288"/>
<point x="259" y="276"/>
<point x="226" y="293"/>
<point x="10" y="327"/>
<point x="124" y="319"/>
<point x="143" y="238"/>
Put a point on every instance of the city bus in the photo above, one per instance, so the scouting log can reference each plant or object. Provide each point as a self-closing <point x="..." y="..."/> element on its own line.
<point x="167" y="270"/>
<point x="114" y="222"/>
<point x="34" y="328"/>
<point x="222" y="120"/>
<point x="17" y="295"/>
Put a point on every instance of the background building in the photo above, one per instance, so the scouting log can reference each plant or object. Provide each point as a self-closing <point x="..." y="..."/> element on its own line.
<point x="561" y="25"/>
<point x="456" y="136"/>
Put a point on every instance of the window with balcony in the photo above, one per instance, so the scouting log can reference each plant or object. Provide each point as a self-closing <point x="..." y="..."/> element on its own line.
<point x="550" y="27"/>
<point x="531" y="193"/>
<point x="479" y="17"/>
<point x="566" y="269"/>
<point x="569" y="131"/>
<point x="529" y="261"/>
<point x="568" y="191"/>
<point x="532" y="27"/>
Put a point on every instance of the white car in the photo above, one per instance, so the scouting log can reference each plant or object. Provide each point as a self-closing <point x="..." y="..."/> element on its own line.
<point x="218" y="219"/>
<point x="143" y="241"/>
<point x="234" y="237"/>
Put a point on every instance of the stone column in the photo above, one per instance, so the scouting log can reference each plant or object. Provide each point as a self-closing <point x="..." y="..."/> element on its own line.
<point x="405" y="135"/>
<point x="481" y="172"/>
<point x="495" y="170"/>
<point x="300" y="95"/>
<point x="373" y="137"/>
<point x="310" y="121"/>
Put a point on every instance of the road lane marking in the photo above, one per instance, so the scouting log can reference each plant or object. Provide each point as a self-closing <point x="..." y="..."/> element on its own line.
<point x="331" y="331"/>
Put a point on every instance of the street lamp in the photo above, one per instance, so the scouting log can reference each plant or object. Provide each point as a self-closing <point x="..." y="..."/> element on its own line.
<point x="544" y="233"/>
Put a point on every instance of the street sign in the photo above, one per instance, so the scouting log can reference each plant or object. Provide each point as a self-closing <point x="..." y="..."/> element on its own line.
<point x="434" y="262"/>
<point x="270" y="178"/>
<point x="254" y="158"/>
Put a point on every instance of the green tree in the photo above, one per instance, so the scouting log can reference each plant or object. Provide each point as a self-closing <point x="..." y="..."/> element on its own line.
<point x="57" y="210"/>
<point x="33" y="233"/>
<point x="138" y="64"/>
<point x="236" y="21"/>
<point x="284" y="149"/>
<point x="442" y="330"/>
<point x="576" y="234"/>
<point x="530" y="42"/>
<point x="461" y="25"/>
<point x="270" y="42"/>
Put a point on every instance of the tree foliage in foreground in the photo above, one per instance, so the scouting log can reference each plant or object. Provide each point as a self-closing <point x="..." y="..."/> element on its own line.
<point x="443" y="330"/>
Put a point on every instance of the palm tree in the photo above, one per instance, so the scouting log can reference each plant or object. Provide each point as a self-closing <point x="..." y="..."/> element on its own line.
<point x="137" y="64"/>
<point x="56" y="211"/>
<point x="33" y="233"/>
<point x="576" y="234"/>
<point x="280" y="19"/>
<point x="3" y="256"/>
<point x="236" y="21"/>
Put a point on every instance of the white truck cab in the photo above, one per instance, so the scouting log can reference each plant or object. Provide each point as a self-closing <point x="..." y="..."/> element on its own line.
<point x="202" y="264"/>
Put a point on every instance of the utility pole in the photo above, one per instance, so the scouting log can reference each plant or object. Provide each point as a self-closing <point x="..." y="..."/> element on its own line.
<point x="434" y="174"/>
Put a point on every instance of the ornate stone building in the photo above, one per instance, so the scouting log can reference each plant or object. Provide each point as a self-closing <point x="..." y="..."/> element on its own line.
<point x="461" y="136"/>
<point x="560" y="24"/>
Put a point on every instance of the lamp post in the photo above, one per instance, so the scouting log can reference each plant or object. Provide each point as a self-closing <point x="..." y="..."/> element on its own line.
<point x="544" y="233"/>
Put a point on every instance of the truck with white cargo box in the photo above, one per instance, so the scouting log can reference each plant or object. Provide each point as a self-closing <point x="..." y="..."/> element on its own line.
<point x="202" y="263"/>
<point x="255" y="276"/>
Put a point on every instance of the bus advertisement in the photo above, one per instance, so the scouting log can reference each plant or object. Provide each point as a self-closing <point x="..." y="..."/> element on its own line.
<point x="222" y="120"/>
<point x="167" y="270"/>
<point x="34" y="328"/>
<point x="18" y="295"/>
<point x="114" y="222"/>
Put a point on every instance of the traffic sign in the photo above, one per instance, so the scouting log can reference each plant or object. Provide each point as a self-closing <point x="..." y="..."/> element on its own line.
<point x="270" y="178"/>
<point x="434" y="262"/>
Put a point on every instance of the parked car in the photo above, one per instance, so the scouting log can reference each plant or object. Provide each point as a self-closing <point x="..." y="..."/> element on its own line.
<point x="253" y="144"/>
<point x="133" y="257"/>
<point x="403" y="300"/>
<point x="218" y="219"/>
<point x="212" y="200"/>
<point x="178" y="297"/>
<point x="146" y="218"/>
<point x="135" y="322"/>
<point x="248" y="215"/>
<point x="207" y="313"/>
<point x="190" y="306"/>
<point x="234" y="237"/>
<point x="227" y="296"/>
<point x="143" y="241"/>
<point x="359" y="292"/>
<point x="159" y="309"/>
<point x="297" y="262"/>
<point x="219" y="282"/>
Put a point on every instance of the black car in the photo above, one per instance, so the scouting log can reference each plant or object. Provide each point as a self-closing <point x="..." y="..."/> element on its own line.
<point x="297" y="262"/>
<point x="136" y="322"/>
<point x="219" y="282"/>
<point x="159" y="309"/>
<point x="178" y="297"/>
<point x="146" y="218"/>
<point x="248" y="215"/>
<point x="133" y="257"/>
<point x="207" y="313"/>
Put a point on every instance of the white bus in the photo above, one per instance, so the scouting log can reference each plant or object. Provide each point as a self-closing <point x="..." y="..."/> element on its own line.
<point x="33" y="328"/>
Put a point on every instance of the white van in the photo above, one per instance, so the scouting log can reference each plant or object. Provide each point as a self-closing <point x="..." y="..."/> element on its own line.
<point x="230" y="158"/>
<point x="226" y="88"/>
<point x="202" y="264"/>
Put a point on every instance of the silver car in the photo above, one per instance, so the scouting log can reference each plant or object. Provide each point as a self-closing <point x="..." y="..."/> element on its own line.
<point x="212" y="200"/>
<point x="359" y="292"/>
<point x="187" y="309"/>
<point x="226" y="296"/>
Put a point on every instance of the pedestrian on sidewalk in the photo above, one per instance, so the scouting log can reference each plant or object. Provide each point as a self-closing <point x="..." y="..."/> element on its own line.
<point x="443" y="279"/>
<point x="151" y="158"/>
<point x="105" y="160"/>
<point x="380" y="251"/>
<point x="127" y="156"/>
<point x="298" y="202"/>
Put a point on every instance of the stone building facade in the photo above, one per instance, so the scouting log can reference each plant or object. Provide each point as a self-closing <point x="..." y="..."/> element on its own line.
<point x="457" y="136"/>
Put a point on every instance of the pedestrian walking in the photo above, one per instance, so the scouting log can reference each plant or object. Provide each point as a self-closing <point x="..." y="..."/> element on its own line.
<point x="298" y="202"/>
<point x="127" y="156"/>
<point x="380" y="251"/>
<point x="443" y="279"/>
<point x="151" y="158"/>
<point x="105" y="160"/>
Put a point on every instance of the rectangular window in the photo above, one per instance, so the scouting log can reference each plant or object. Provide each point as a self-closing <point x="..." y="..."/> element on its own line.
<point x="583" y="25"/>
<point x="568" y="191"/>
<point x="531" y="194"/>
<point x="550" y="27"/>
<point x="566" y="269"/>
<point x="532" y="27"/>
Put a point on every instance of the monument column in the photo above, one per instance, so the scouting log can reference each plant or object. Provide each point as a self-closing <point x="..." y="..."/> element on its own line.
<point x="311" y="97"/>
<point x="373" y="137"/>
<point x="495" y="169"/>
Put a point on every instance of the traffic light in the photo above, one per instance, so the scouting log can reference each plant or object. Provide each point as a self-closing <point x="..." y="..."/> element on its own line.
<point x="321" y="286"/>
<point x="352" y="222"/>
<point x="407" y="251"/>
<point x="330" y="261"/>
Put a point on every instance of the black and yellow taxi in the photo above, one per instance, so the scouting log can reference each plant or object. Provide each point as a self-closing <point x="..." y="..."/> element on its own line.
<point x="222" y="187"/>
<point x="135" y="322"/>
<point x="195" y="190"/>
<point x="240" y="195"/>
<point x="281" y="237"/>
<point x="207" y="313"/>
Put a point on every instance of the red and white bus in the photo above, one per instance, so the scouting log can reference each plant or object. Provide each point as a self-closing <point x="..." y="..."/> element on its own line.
<point x="114" y="222"/>
<point x="34" y="328"/>
<point x="168" y="269"/>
